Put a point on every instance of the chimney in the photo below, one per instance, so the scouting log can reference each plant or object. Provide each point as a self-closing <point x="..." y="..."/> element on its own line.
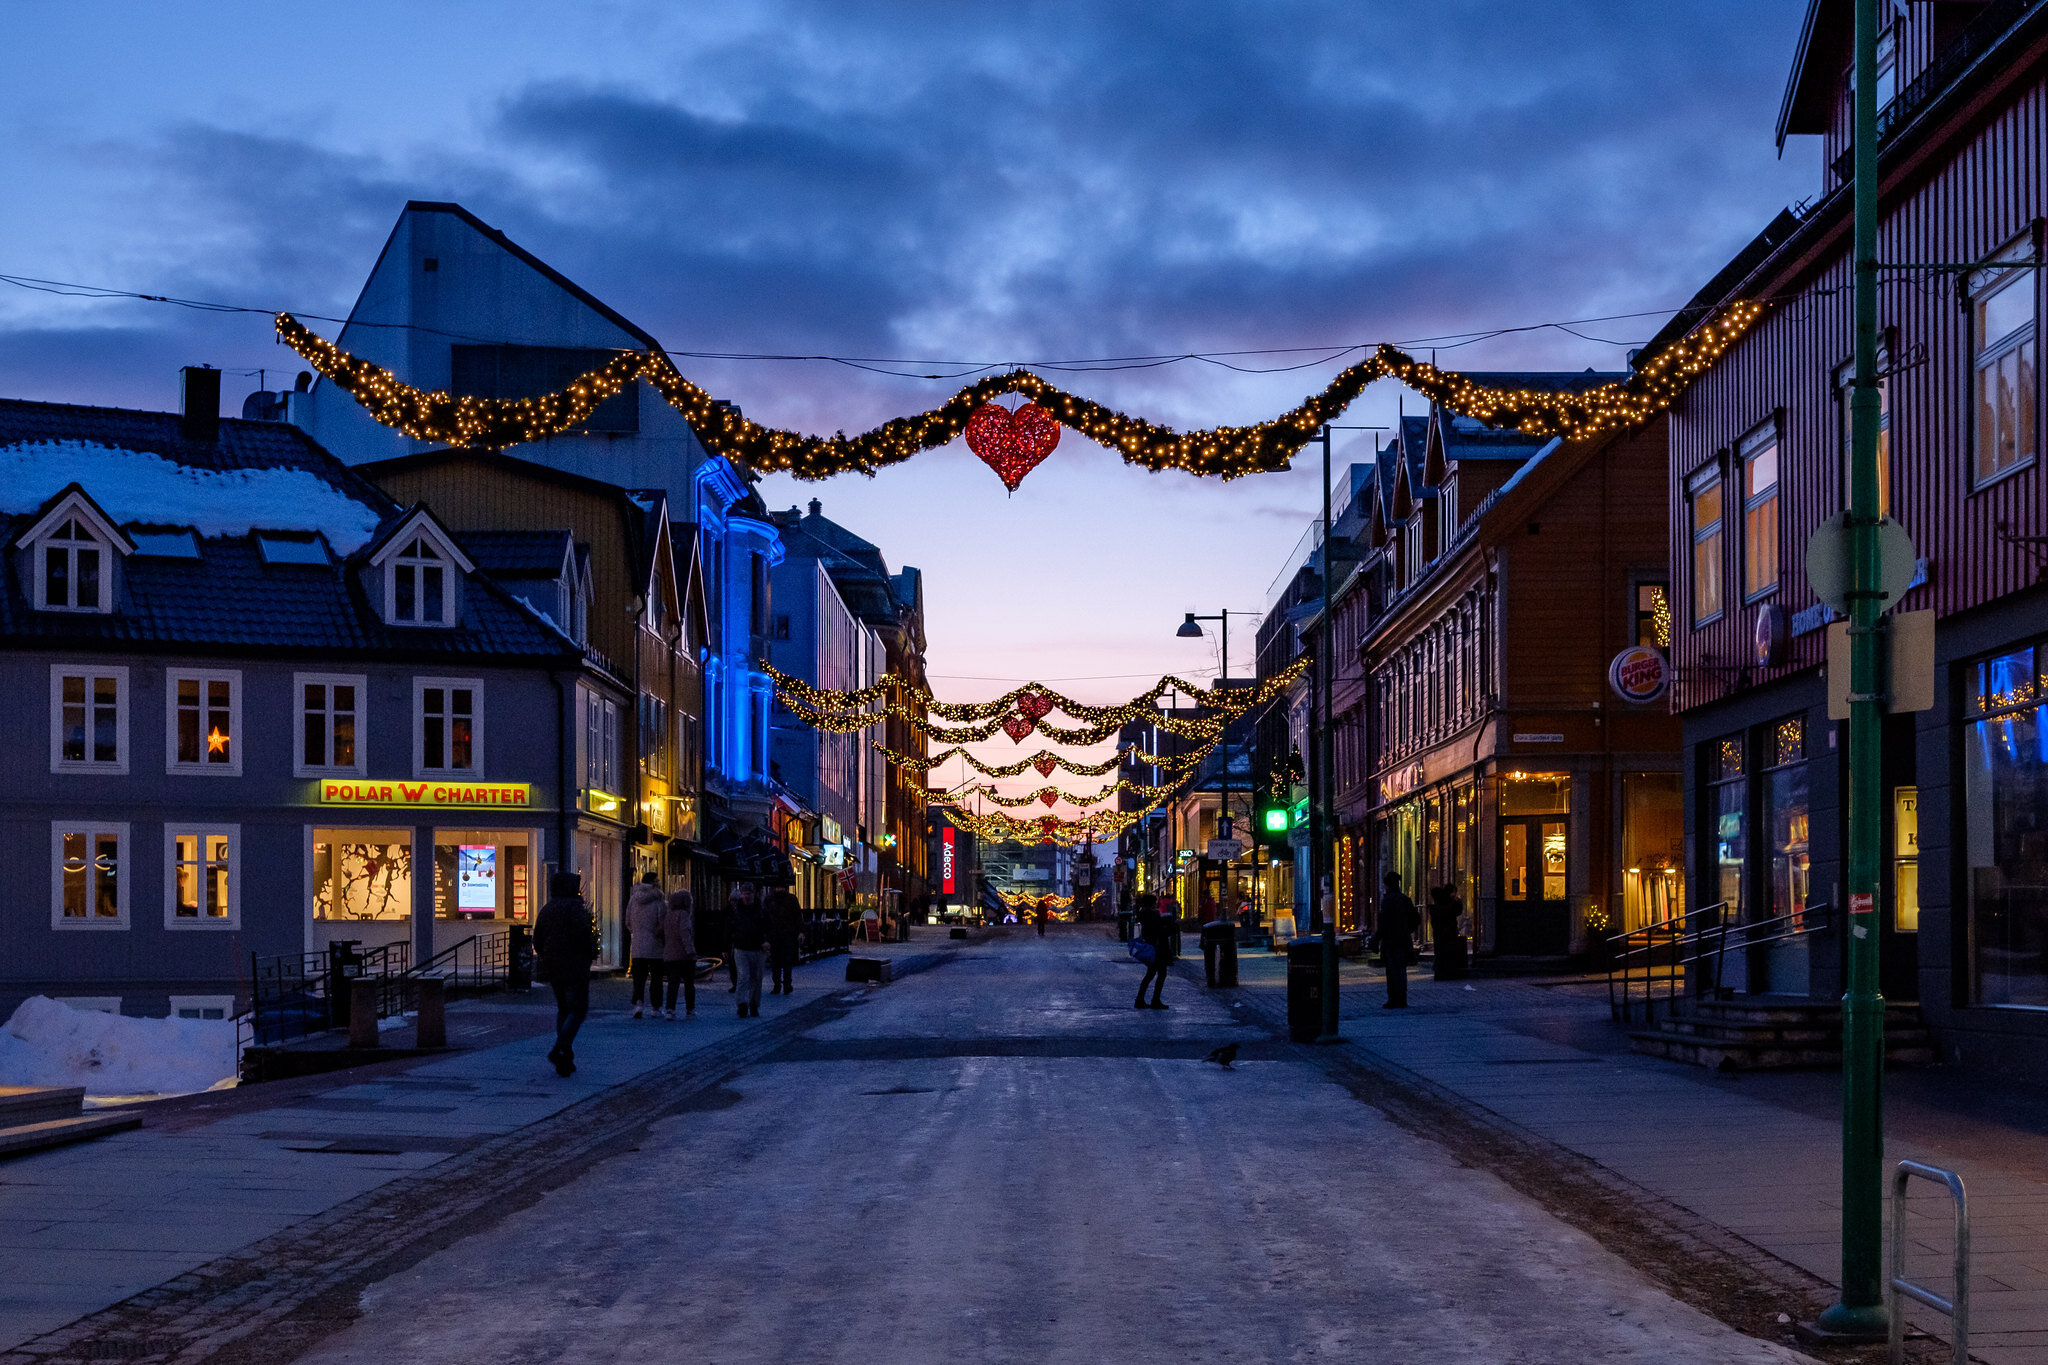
<point x="816" y="507"/>
<point x="200" y="403"/>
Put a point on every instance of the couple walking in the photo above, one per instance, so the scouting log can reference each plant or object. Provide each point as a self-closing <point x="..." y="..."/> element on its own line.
<point x="759" y="933"/>
<point x="662" y="934"/>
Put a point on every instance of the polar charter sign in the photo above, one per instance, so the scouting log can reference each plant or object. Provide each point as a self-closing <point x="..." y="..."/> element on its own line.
<point x="351" y="792"/>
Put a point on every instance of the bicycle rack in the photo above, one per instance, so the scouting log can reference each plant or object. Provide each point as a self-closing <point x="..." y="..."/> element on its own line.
<point x="1897" y="1283"/>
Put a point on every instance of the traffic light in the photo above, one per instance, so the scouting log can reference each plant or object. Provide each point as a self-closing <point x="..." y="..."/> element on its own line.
<point x="1273" y="819"/>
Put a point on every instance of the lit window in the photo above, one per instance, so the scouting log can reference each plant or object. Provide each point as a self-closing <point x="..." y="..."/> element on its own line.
<point x="87" y="889"/>
<point x="1760" y="515"/>
<point x="88" y="719"/>
<point x="2002" y="315"/>
<point x="200" y="885"/>
<point x="422" y="590"/>
<point x="1845" y="387"/>
<point x="1706" y="546"/>
<point x="447" y="726"/>
<point x="330" y="723"/>
<point x="72" y="566"/>
<point x="1653" y="615"/>
<point x="205" y="717"/>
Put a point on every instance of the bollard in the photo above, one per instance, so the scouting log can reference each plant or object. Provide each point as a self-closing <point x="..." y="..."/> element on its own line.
<point x="432" y="1018"/>
<point x="362" y="1012"/>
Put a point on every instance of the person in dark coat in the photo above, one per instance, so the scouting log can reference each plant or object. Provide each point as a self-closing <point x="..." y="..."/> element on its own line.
<point x="565" y="944"/>
<point x="1157" y="927"/>
<point x="749" y="946"/>
<point x="785" y="937"/>
<point x="714" y="937"/>
<point x="1445" y="910"/>
<point x="679" y="951"/>
<point x="1396" y="932"/>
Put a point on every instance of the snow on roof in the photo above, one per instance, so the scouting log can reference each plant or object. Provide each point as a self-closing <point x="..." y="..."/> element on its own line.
<point x="134" y="486"/>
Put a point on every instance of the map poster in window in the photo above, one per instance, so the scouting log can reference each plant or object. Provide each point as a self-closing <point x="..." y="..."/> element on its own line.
<point x="476" y="879"/>
<point x="519" y="888"/>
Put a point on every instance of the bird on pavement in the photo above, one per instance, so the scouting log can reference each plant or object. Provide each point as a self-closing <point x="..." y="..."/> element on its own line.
<point x="1223" y="1056"/>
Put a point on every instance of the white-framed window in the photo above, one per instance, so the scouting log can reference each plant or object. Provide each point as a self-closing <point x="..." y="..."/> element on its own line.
<point x="204" y="722"/>
<point x="419" y="585"/>
<point x="202" y="877"/>
<point x="330" y="738"/>
<point x="447" y="726"/>
<point x="74" y="569"/>
<point x="202" y="1007"/>
<point x="602" y="768"/>
<point x="1704" y="496"/>
<point x="2005" y="380"/>
<point x="1759" y="463"/>
<point x="88" y="719"/>
<point x="88" y="875"/>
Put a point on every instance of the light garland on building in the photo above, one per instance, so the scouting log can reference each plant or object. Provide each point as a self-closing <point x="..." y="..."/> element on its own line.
<point x="1225" y="452"/>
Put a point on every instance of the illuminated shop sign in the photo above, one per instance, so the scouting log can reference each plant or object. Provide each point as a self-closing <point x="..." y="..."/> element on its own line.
<point x="946" y="837"/>
<point x="427" y="794"/>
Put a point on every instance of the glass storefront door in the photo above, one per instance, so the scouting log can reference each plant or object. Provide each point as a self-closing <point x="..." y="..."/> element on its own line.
<point x="1534" y="918"/>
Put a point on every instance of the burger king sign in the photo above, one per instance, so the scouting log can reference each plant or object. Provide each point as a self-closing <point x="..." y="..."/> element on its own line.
<point x="1639" y="674"/>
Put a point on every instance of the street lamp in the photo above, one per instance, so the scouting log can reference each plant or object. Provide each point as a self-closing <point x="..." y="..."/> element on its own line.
<point x="1190" y="629"/>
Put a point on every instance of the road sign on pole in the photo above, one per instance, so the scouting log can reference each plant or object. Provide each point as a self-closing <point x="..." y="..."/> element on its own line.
<point x="1827" y="562"/>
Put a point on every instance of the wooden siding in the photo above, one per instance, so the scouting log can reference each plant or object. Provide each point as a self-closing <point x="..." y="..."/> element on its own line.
<point x="1988" y="192"/>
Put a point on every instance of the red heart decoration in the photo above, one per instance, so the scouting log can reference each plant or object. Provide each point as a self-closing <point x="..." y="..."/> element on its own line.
<point x="1045" y="763"/>
<point x="1016" y="727"/>
<point x="1050" y="798"/>
<point x="1047" y="825"/>
<point x="1035" y="705"/>
<point x="1012" y="443"/>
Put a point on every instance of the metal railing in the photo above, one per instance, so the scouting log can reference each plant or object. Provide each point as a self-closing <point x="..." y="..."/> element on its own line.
<point x="1691" y="938"/>
<point x="297" y="994"/>
<point x="1958" y="1308"/>
<point x="479" y="961"/>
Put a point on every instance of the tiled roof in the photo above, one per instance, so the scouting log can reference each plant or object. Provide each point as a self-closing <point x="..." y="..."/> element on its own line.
<point x="516" y="554"/>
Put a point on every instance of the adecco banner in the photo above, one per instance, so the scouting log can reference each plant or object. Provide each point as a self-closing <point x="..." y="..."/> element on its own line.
<point x="343" y="792"/>
<point x="1639" y="674"/>
<point x="946" y="876"/>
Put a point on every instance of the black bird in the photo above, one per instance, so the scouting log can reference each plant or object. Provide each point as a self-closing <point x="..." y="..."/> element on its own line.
<point x="1223" y="1056"/>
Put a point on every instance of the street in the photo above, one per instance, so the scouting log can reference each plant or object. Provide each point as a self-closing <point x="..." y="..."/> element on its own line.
<point x="999" y="1159"/>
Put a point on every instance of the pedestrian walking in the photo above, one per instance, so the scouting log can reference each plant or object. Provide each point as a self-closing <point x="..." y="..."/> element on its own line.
<point x="785" y="937"/>
<point x="1398" y="922"/>
<point x="564" y="946"/>
<point x="645" y="910"/>
<point x="1445" y="910"/>
<point x="1156" y="927"/>
<point x="749" y="948"/>
<point x="714" y="937"/>
<point x="679" y="951"/>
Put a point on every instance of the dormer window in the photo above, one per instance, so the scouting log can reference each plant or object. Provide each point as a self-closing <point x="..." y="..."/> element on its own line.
<point x="72" y="570"/>
<point x="419" y="586"/>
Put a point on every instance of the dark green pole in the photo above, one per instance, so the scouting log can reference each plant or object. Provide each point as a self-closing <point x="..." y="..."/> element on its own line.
<point x="1323" y="830"/>
<point x="1860" y="1311"/>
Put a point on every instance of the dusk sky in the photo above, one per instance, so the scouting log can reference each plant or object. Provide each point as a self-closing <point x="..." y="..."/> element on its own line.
<point x="931" y="182"/>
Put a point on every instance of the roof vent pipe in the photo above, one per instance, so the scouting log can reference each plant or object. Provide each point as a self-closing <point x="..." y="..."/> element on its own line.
<point x="199" y="403"/>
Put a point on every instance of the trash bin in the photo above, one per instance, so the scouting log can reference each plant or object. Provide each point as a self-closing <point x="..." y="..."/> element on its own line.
<point x="1305" y="990"/>
<point x="519" y="959"/>
<point x="1219" y="953"/>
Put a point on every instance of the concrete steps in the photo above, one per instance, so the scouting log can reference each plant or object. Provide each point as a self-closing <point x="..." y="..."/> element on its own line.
<point x="33" y="1117"/>
<point x="1760" y="1034"/>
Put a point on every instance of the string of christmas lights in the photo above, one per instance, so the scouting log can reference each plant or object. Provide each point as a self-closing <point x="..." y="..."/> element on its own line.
<point x="1045" y="760"/>
<point x="1144" y="792"/>
<point x="998" y="828"/>
<point x="1035" y="700"/>
<point x="1017" y="900"/>
<point x="1225" y="452"/>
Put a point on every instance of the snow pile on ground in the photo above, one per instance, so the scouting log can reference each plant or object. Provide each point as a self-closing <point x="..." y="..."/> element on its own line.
<point x="46" y="1042"/>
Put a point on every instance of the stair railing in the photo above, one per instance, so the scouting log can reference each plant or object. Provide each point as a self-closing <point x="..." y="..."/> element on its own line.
<point x="1785" y="928"/>
<point x="1676" y="939"/>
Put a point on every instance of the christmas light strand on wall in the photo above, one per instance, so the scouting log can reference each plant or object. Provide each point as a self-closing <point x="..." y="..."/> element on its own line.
<point x="1225" y="452"/>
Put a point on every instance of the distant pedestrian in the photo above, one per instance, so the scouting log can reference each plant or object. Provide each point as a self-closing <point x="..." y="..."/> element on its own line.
<point x="714" y="937"/>
<point x="679" y="951"/>
<point x="1169" y="910"/>
<point x="1445" y="910"/>
<point x="749" y="948"/>
<point x="785" y="937"/>
<point x="564" y="945"/>
<point x="645" y="909"/>
<point x="1398" y="923"/>
<point x="1156" y="928"/>
<point x="1041" y="921"/>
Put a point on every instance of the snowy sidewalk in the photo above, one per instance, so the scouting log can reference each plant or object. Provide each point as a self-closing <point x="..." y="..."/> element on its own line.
<point x="1756" y="1153"/>
<point x="85" y="1227"/>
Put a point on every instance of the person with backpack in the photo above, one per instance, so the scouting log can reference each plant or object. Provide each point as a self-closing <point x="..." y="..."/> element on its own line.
<point x="564" y="946"/>
<point x="1154" y="947"/>
<point x="645" y="909"/>
<point x="679" y="951"/>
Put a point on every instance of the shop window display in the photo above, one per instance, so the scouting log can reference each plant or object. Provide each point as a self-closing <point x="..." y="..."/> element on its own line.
<point x="2005" y="840"/>
<point x="362" y="874"/>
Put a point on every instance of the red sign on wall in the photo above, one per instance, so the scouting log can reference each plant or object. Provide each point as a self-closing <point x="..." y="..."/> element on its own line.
<point x="946" y="833"/>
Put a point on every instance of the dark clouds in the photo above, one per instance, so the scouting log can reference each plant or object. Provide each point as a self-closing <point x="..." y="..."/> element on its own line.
<point x="1045" y="180"/>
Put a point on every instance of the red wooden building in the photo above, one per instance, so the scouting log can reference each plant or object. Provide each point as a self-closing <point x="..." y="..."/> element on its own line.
<point x="1758" y="462"/>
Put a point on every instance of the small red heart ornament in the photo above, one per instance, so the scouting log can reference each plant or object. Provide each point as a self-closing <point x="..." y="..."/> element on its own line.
<point x="1012" y="443"/>
<point x="1016" y="727"/>
<point x="1050" y="798"/>
<point x="1045" y="763"/>
<point x="1048" y="825"/>
<point x="1035" y="705"/>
